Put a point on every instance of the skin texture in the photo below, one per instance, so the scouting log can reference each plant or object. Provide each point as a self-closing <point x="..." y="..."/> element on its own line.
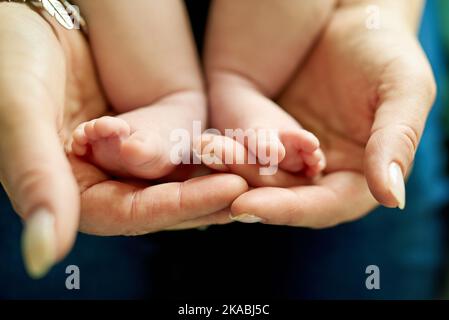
<point x="55" y="68"/>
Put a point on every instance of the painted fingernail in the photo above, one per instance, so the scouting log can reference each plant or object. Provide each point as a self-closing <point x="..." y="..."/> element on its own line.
<point x="397" y="184"/>
<point x="39" y="243"/>
<point x="246" y="218"/>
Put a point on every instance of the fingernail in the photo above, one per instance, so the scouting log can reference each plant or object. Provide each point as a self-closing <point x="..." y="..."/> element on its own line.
<point x="39" y="243"/>
<point x="246" y="218"/>
<point x="397" y="184"/>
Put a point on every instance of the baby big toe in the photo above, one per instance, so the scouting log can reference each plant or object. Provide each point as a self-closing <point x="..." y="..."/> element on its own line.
<point x="300" y="139"/>
<point x="292" y="163"/>
<point x="267" y="148"/>
<point x="272" y="151"/>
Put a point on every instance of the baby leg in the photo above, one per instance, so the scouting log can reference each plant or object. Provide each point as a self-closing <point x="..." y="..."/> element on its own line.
<point x="253" y="48"/>
<point x="153" y="87"/>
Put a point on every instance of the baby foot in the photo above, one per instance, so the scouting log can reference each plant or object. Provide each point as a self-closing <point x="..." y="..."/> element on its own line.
<point x="235" y="103"/>
<point x="302" y="153"/>
<point x="137" y="143"/>
<point x="295" y="150"/>
<point x="112" y="144"/>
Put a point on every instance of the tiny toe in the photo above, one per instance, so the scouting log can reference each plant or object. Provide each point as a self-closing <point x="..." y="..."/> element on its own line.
<point x="109" y="126"/>
<point x="312" y="158"/>
<point x="318" y="167"/>
<point x="302" y="140"/>
<point x="79" y="141"/>
<point x="322" y="164"/>
<point x="267" y="147"/>
<point x="308" y="142"/>
<point x="271" y="151"/>
<point x="89" y="130"/>
<point x="293" y="163"/>
<point x="313" y="171"/>
<point x="79" y="136"/>
<point x="79" y="149"/>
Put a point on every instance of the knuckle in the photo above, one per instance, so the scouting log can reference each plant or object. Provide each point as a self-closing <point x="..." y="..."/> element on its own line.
<point x="133" y="218"/>
<point x="410" y="139"/>
<point x="180" y="204"/>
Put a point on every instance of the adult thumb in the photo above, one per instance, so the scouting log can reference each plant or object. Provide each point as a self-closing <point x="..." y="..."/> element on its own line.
<point x="38" y="179"/>
<point x="34" y="170"/>
<point x="398" y="125"/>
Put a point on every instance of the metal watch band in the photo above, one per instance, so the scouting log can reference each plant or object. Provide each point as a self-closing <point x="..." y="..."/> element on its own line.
<point x="65" y="13"/>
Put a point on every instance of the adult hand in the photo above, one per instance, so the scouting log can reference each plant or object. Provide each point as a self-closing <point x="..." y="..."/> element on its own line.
<point x="366" y="94"/>
<point x="47" y="87"/>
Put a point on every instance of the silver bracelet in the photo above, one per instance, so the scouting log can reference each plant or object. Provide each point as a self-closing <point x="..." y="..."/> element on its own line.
<point x="65" y="13"/>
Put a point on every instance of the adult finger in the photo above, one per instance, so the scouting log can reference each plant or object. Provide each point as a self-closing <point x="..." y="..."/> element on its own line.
<point x="111" y="207"/>
<point x="406" y="97"/>
<point x="336" y="198"/>
<point x="218" y="218"/>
